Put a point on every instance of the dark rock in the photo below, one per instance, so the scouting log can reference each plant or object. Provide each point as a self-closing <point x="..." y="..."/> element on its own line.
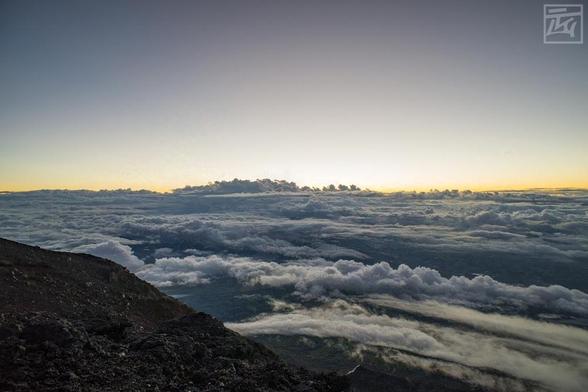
<point x="41" y="328"/>
<point x="114" y="329"/>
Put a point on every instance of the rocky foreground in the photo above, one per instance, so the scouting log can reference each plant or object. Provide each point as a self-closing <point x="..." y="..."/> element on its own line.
<point x="74" y="322"/>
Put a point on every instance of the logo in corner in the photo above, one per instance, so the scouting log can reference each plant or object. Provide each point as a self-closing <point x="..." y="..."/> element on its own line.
<point x="563" y="24"/>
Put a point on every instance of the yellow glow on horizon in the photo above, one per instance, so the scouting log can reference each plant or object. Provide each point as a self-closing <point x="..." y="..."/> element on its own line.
<point x="165" y="188"/>
<point x="487" y="188"/>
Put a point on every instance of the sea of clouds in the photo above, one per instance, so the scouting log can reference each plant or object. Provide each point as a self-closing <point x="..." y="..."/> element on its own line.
<point x="469" y="281"/>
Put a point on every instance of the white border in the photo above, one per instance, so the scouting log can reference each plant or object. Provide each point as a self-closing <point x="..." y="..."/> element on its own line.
<point x="581" y="41"/>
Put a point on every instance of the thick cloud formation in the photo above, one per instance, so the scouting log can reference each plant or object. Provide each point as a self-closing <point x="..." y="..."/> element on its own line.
<point x="317" y="278"/>
<point x="519" y="238"/>
<point x="258" y="186"/>
<point x="536" y="243"/>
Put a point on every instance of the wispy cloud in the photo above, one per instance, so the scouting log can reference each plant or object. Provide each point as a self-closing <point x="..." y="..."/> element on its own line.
<point x="558" y="369"/>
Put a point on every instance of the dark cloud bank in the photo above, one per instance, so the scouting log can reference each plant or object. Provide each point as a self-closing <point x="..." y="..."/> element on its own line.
<point x="470" y="281"/>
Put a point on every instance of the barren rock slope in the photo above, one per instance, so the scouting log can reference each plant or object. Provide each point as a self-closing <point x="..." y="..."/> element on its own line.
<point x="72" y="322"/>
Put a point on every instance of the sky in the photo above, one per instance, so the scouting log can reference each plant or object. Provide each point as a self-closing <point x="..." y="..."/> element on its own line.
<point x="386" y="95"/>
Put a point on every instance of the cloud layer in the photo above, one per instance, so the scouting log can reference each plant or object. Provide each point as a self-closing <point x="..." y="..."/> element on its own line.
<point x="317" y="278"/>
<point x="518" y="238"/>
<point x="556" y="368"/>
<point x="414" y="277"/>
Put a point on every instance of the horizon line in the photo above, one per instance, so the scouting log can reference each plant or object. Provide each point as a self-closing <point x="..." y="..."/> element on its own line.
<point x="378" y="189"/>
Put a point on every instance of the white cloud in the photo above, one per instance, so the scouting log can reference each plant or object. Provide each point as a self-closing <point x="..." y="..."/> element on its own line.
<point x="557" y="369"/>
<point x="348" y="320"/>
<point x="318" y="277"/>
<point x="115" y="251"/>
<point x="558" y="336"/>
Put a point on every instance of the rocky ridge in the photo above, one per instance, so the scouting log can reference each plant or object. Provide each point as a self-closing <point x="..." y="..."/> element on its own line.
<point x="75" y="322"/>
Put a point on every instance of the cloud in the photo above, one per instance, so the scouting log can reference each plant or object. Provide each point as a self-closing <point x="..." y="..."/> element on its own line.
<point x="545" y="333"/>
<point x="523" y="228"/>
<point x="532" y="234"/>
<point x="258" y="186"/>
<point x="556" y="369"/>
<point x="350" y="321"/>
<point x="523" y="239"/>
<point x="318" y="277"/>
<point x="252" y="235"/>
<point x="122" y="254"/>
<point x="162" y="252"/>
<point x="315" y="207"/>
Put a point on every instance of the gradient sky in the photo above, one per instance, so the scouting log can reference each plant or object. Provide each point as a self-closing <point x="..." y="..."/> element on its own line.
<point x="389" y="95"/>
